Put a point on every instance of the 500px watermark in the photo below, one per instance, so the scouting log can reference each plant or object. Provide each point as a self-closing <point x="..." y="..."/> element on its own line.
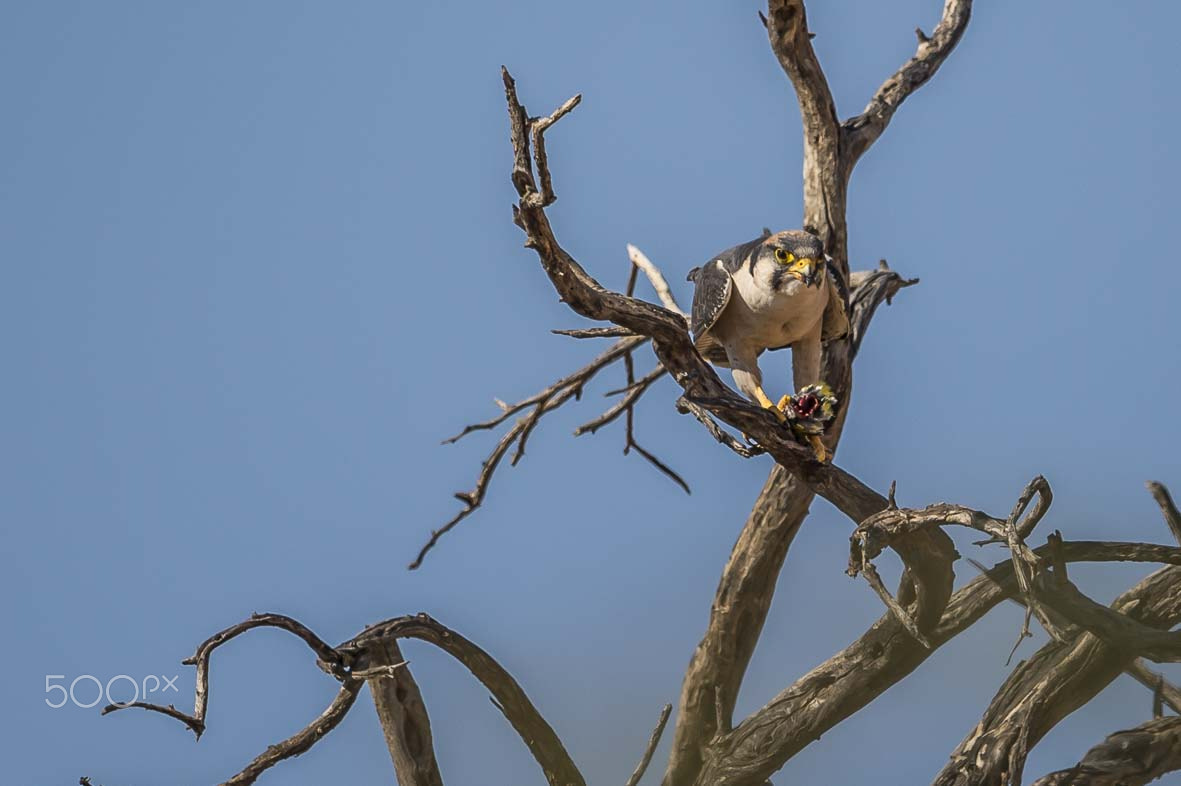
<point x="81" y="688"/>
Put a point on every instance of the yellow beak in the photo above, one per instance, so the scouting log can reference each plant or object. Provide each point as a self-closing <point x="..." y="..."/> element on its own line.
<point x="807" y="270"/>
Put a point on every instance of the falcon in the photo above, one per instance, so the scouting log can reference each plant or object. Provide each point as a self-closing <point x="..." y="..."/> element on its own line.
<point x="779" y="290"/>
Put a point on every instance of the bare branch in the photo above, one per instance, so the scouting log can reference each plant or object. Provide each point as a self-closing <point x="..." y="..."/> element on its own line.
<point x="686" y="407"/>
<point x="870" y="573"/>
<point x="571" y="385"/>
<point x="883" y="656"/>
<point x="1171" y="514"/>
<point x="539" y="127"/>
<point x="1119" y="631"/>
<point x="1058" y="679"/>
<point x="1164" y="692"/>
<point x="194" y="724"/>
<point x="651" y="459"/>
<point x="573" y="382"/>
<point x="303" y="740"/>
<point x="825" y="182"/>
<point x="543" y="402"/>
<point x="642" y="767"/>
<point x="1126" y="758"/>
<point x="858" y="133"/>
<point x="543" y="743"/>
<point x="641" y="261"/>
<point x="633" y="391"/>
<point x="595" y="332"/>
<point x="868" y="289"/>
<point x="405" y="723"/>
<point x="1026" y="524"/>
<point x="327" y="658"/>
<point x="630" y="443"/>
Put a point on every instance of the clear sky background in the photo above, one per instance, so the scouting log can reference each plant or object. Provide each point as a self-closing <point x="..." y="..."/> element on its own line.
<point x="258" y="260"/>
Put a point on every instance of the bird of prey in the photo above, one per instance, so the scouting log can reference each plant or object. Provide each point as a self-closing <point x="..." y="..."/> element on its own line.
<point x="779" y="290"/>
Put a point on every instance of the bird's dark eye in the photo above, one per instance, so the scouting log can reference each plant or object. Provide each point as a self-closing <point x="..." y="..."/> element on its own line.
<point x="784" y="256"/>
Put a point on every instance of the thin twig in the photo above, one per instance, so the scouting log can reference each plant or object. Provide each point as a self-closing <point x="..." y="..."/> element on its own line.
<point x="870" y="573"/>
<point x="576" y="380"/>
<point x="304" y="739"/>
<point x="539" y="127"/>
<point x="687" y="407"/>
<point x="629" y="404"/>
<point x="543" y="402"/>
<point x="595" y="332"/>
<point x="655" y="277"/>
<point x="634" y="389"/>
<point x="653" y="741"/>
<point x="1163" y="691"/>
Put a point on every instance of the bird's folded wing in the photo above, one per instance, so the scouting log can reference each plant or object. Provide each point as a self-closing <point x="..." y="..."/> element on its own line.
<point x="711" y="293"/>
<point x="836" y="313"/>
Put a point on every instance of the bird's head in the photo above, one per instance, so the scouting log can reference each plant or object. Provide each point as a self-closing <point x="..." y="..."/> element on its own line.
<point x="794" y="254"/>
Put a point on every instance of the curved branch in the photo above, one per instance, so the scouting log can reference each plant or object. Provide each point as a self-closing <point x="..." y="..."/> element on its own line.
<point x="1126" y="758"/>
<point x="327" y="658"/>
<point x="1119" y="631"/>
<point x="533" y="729"/>
<point x="304" y="739"/>
<point x="653" y="741"/>
<point x="1058" y="679"/>
<point x="858" y="133"/>
<point x="868" y="290"/>
<point x="883" y="656"/>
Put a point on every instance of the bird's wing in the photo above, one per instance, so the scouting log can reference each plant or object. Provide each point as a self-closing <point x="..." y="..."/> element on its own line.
<point x="711" y="293"/>
<point x="836" y="313"/>
<point x="713" y="284"/>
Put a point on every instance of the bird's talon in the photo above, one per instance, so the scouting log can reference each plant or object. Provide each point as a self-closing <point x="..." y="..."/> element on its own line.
<point x="784" y="403"/>
<point x="777" y="412"/>
<point x="818" y="448"/>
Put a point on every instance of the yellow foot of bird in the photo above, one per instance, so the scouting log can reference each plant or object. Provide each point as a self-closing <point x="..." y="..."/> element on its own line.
<point x="776" y="411"/>
<point x="818" y="448"/>
<point x="784" y="403"/>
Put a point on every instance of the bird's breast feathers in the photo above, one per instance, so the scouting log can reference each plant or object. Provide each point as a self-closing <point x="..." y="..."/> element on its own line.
<point x="767" y="316"/>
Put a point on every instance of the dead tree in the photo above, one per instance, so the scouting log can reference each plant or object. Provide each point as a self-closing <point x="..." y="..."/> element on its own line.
<point x="1090" y="643"/>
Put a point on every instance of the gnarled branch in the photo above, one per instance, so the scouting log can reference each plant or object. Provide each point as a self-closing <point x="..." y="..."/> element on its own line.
<point x="1126" y="758"/>
<point x="328" y="659"/>
<point x="1058" y="679"/>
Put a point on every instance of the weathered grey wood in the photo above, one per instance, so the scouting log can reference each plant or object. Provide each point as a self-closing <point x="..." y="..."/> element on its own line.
<point x="403" y="716"/>
<point x="1058" y="679"/>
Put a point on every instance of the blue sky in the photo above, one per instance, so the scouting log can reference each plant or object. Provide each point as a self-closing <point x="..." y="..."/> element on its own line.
<point x="258" y="260"/>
